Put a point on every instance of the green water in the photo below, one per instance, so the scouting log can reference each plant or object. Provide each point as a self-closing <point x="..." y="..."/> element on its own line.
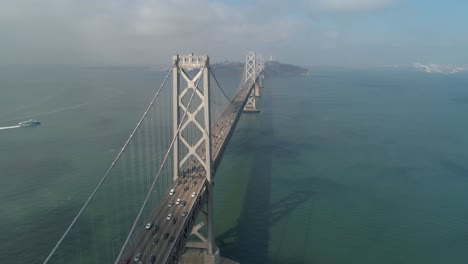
<point x="345" y="166"/>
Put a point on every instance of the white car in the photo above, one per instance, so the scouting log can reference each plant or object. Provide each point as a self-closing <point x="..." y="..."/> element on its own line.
<point x="138" y="256"/>
<point x="194" y="194"/>
<point x="171" y="192"/>
<point x="178" y="201"/>
<point x="169" y="216"/>
<point x="148" y="226"/>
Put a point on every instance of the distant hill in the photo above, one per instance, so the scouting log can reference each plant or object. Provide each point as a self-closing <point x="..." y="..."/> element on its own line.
<point x="272" y="68"/>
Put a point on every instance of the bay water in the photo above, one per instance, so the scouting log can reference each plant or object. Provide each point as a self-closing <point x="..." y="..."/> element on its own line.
<point x="343" y="166"/>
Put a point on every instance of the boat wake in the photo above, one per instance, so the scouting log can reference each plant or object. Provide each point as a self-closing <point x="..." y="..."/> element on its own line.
<point x="10" y="127"/>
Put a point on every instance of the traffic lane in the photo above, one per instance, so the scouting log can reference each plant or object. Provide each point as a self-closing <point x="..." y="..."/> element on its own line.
<point x="174" y="229"/>
<point x="146" y="242"/>
<point x="190" y="203"/>
<point x="159" y="249"/>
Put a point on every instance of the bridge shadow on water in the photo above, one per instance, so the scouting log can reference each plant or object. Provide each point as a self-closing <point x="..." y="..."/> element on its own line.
<point x="248" y="241"/>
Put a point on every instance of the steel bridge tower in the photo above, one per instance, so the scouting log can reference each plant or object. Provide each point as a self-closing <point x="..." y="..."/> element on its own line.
<point x="260" y="67"/>
<point x="194" y="102"/>
<point x="253" y="70"/>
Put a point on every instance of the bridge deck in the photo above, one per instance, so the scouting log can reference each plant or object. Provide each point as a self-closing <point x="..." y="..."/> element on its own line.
<point x="164" y="250"/>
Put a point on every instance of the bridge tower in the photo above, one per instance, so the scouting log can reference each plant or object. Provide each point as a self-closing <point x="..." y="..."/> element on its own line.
<point x="260" y="67"/>
<point x="194" y="102"/>
<point x="251" y="76"/>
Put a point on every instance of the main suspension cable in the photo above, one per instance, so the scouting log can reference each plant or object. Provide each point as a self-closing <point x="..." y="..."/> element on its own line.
<point x="217" y="83"/>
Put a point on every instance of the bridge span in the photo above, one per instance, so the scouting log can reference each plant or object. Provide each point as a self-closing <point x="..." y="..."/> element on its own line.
<point x="192" y="180"/>
<point x="175" y="221"/>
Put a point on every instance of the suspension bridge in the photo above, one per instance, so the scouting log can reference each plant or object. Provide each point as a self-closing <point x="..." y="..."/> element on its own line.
<point x="155" y="202"/>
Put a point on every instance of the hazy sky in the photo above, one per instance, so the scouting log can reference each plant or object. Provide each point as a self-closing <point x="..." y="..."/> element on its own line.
<point x="306" y="32"/>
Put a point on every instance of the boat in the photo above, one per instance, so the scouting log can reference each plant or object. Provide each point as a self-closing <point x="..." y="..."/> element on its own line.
<point x="29" y="123"/>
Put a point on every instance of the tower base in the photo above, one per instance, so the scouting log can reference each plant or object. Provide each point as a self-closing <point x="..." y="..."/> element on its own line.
<point x="251" y="110"/>
<point x="199" y="256"/>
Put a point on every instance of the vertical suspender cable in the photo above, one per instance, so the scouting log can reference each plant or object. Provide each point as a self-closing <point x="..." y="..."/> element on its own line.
<point x="98" y="186"/>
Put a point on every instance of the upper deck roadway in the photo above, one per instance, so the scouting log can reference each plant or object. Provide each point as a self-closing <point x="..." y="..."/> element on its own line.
<point x="152" y="242"/>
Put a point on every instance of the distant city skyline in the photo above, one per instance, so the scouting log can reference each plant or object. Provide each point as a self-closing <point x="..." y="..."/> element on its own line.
<point x="304" y="32"/>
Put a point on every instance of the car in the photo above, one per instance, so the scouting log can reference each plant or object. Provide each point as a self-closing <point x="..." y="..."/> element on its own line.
<point x="174" y="220"/>
<point x="169" y="216"/>
<point x="178" y="201"/>
<point x="185" y="181"/>
<point x="148" y="226"/>
<point x="179" y="182"/>
<point x="194" y="183"/>
<point x="171" y="203"/>
<point x="186" y="188"/>
<point x="194" y="194"/>
<point x="171" y="240"/>
<point x="155" y="241"/>
<point x="166" y="235"/>
<point x="171" y="192"/>
<point x="184" y="213"/>
<point x="152" y="259"/>
<point x="138" y="256"/>
<point x="183" y="203"/>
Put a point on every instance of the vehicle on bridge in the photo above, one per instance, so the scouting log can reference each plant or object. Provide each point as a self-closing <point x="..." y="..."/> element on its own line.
<point x="138" y="256"/>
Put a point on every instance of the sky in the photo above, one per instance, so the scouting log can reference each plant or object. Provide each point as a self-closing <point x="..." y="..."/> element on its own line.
<point x="304" y="32"/>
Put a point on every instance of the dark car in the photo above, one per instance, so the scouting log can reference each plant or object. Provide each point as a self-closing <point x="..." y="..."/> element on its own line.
<point x="152" y="259"/>
<point x="166" y="235"/>
<point x="155" y="241"/>
<point x="183" y="203"/>
<point x="174" y="220"/>
<point x="194" y="183"/>
<point x="171" y="240"/>
<point x="186" y="188"/>
<point x="179" y="182"/>
<point x="184" y="213"/>
<point x="185" y="180"/>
